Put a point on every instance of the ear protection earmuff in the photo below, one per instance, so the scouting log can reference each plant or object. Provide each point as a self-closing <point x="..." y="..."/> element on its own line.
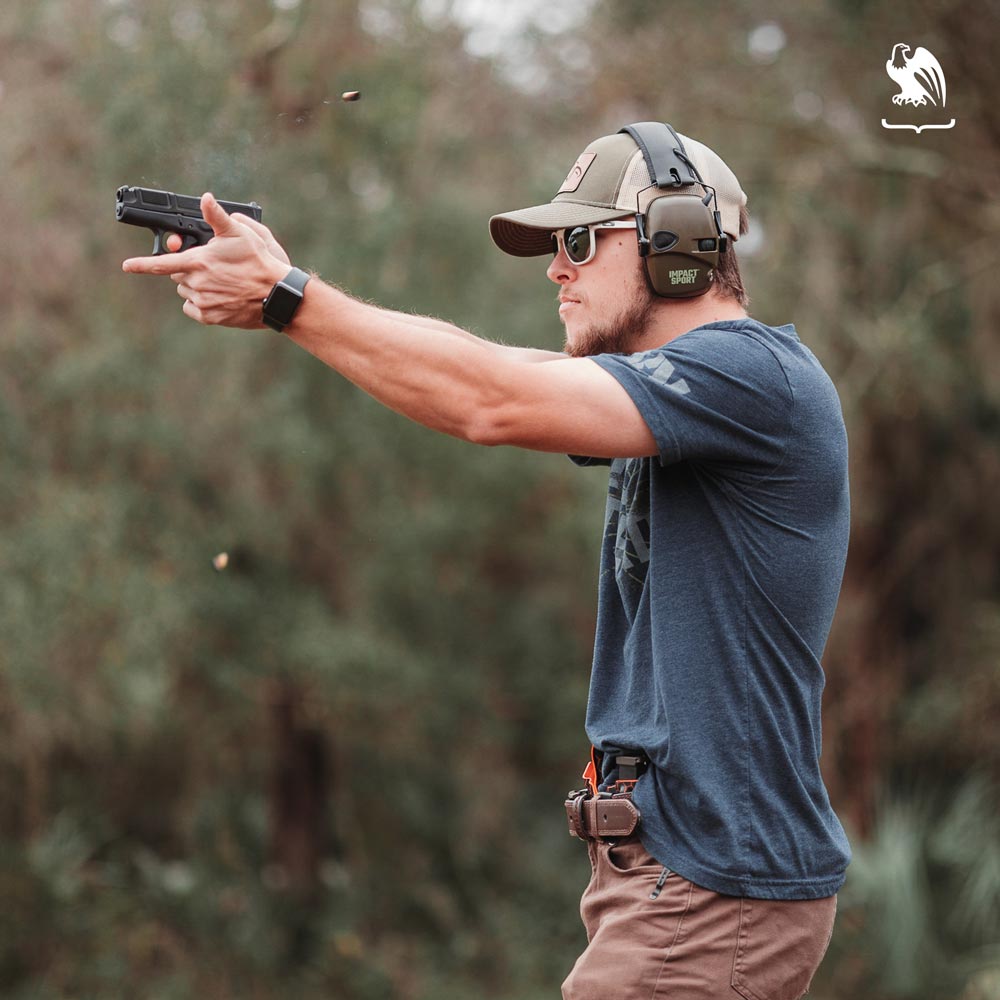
<point x="680" y="234"/>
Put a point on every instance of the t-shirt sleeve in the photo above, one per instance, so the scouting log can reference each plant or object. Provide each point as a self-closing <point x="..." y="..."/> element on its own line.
<point x="711" y="396"/>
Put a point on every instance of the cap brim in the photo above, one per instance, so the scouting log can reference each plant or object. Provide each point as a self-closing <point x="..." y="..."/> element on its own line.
<point x="528" y="232"/>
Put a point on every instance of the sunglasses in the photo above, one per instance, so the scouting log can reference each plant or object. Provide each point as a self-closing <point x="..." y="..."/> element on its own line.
<point x="580" y="242"/>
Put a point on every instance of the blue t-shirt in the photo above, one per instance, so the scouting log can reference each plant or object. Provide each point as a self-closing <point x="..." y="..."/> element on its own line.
<point x="720" y="571"/>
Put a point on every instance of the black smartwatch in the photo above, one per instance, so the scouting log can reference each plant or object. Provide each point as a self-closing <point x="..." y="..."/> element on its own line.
<point x="285" y="298"/>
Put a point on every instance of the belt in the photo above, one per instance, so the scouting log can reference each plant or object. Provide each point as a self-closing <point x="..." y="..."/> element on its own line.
<point x="592" y="813"/>
<point x="606" y="814"/>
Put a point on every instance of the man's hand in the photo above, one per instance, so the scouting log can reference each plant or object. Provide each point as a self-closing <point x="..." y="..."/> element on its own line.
<point x="225" y="282"/>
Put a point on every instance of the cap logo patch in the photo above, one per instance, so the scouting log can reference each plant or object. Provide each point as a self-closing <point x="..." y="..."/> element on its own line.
<point x="575" y="176"/>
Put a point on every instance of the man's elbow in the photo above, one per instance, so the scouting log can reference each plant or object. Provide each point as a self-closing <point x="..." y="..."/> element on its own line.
<point x="501" y="414"/>
<point x="499" y="420"/>
<point x="485" y="426"/>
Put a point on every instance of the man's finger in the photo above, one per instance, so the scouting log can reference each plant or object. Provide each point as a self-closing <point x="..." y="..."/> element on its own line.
<point x="191" y="310"/>
<point x="265" y="234"/>
<point x="168" y="263"/>
<point x="258" y="227"/>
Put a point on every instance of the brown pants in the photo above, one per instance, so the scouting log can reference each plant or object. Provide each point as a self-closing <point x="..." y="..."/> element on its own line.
<point x="689" y="943"/>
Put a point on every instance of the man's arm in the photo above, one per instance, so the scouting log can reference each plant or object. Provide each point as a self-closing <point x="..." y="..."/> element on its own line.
<point x="525" y="354"/>
<point x="468" y="387"/>
<point x="430" y="371"/>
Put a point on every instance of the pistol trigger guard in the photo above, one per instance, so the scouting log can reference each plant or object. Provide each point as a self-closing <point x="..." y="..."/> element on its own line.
<point x="188" y="240"/>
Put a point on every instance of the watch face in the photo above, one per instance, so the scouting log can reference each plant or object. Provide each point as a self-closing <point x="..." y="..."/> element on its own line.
<point x="282" y="303"/>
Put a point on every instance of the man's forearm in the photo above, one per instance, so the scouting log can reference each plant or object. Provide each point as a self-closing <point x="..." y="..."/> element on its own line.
<point x="430" y="371"/>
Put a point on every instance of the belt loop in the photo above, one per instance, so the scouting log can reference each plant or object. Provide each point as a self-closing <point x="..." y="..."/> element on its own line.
<point x="575" y="815"/>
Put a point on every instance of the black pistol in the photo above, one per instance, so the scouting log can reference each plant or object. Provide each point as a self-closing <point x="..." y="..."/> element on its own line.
<point x="165" y="213"/>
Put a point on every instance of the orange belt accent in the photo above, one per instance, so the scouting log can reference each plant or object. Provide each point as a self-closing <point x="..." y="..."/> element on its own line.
<point x="590" y="773"/>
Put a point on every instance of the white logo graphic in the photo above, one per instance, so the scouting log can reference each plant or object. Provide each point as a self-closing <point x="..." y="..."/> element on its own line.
<point x="660" y="369"/>
<point x="686" y="276"/>
<point x="920" y="79"/>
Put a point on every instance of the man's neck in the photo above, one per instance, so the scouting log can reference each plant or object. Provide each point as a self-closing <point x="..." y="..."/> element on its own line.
<point x="678" y="316"/>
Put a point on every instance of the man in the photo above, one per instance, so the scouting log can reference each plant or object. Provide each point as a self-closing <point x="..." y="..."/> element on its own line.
<point x="716" y="856"/>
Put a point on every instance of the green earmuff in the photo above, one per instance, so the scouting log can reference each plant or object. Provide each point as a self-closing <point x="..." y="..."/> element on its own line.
<point x="680" y="234"/>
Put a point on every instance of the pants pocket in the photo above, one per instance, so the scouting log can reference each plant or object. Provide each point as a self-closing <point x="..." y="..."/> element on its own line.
<point x="628" y="854"/>
<point x="780" y="945"/>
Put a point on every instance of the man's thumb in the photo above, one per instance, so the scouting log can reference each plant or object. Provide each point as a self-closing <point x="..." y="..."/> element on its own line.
<point x="216" y="216"/>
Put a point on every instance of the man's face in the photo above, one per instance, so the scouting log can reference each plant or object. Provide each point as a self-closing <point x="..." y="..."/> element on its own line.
<point x="604" y="304"/>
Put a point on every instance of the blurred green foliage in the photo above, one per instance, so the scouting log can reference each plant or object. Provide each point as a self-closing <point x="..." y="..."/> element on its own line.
<point x="336" y="767"/>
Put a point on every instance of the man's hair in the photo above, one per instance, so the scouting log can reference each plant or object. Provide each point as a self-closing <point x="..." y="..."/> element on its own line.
<point x="728" y="280"/>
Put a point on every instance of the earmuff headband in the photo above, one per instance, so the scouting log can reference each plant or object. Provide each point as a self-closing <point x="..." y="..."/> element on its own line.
<point x="668" y="163"/>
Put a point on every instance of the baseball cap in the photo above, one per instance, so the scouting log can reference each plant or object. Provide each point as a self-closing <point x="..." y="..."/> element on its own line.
<point x="605" y="183"/>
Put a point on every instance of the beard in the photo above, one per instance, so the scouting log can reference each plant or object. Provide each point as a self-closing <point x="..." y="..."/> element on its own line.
<point x="615" y="336"/>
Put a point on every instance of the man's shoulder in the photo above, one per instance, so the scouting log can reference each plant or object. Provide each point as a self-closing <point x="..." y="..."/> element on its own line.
<point x="738" y="347"/>
<point x="741" y="341"/>
<point x="733" y="337"/>
<point x="746" y="333"/>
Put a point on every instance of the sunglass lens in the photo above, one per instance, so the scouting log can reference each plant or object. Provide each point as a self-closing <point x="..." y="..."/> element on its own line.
<point x="577" y="241"/>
